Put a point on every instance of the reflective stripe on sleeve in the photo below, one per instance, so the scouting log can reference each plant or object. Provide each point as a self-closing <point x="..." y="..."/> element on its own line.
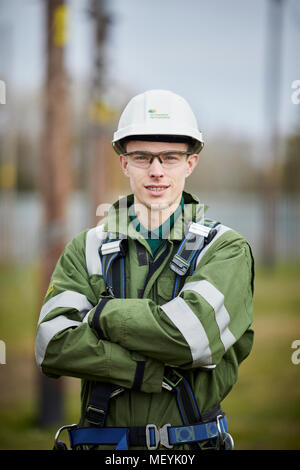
<point x="69" y="299"/>
<point x="94" y="239"/>
<point x="216" y="300"/>
<point x="47" y="330"/>
<point x="191" y="329"/>
<point x="221" y="229"/>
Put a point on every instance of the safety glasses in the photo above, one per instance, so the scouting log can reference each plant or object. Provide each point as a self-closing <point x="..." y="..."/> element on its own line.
<point x="168" y="159"/>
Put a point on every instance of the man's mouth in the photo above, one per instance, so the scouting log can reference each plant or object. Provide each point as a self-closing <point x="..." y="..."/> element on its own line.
<point x="156" y="189"/>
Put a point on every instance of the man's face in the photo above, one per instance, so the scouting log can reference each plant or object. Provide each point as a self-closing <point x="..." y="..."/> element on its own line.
<point x="157" y="187"/>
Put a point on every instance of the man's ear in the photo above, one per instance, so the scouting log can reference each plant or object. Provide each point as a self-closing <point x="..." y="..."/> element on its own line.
<point x="124" y="164"/>
<point x="191" y="163"/>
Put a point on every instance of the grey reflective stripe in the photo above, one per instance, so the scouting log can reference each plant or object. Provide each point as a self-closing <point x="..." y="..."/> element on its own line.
<point x="47" y="330"/>
<point x="215" y="298"/>
<point x="94" y="239"/>
<point x="86" y="317"/>
<point x="69" y="299"/>
<point x="221" y="229"/>
<point x="191" y="329"/>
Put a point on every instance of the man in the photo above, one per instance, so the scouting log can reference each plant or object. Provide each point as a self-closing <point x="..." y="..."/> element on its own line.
<point x="151" y="309"/>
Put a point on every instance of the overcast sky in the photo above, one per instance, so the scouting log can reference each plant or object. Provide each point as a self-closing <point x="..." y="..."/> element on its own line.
<point x="212" y="52"/>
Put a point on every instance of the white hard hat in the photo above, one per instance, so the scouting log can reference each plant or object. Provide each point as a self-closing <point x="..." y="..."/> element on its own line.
<point x="156" y="114"/>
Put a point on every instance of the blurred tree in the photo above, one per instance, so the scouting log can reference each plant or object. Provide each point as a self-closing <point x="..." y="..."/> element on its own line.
<point x="271" y="183"/>
<point x="291" y="167"/>
<point x="55" y="180"/>
<point x="26" y="163"/>
<point x="100" y="115"/>
<point x="225" y="165"/>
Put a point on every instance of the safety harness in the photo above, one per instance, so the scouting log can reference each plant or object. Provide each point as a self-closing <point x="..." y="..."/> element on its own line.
<point x="199" y="430"/>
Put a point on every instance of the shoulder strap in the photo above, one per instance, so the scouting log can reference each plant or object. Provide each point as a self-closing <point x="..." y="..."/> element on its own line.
<point x="199" y="234"/>
<point x="114" y="273"/>
<point x="175" y="382"/>
<point x="100" y="394"/>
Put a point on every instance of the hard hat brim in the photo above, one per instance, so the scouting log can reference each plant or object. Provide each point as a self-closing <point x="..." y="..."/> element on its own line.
<point x="125" y="133"/>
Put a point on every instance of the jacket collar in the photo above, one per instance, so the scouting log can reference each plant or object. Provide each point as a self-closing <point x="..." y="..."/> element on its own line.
<point x="118" y="222"/>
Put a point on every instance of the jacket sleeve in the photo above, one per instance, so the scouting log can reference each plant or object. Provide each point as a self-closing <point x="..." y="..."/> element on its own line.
<point x="212" y="312"/>
<point x="67" y="345"/>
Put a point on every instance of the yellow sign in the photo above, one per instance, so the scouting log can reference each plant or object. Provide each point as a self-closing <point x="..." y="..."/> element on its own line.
<point x="60" y="25"/>
<point x="8" y="176"/>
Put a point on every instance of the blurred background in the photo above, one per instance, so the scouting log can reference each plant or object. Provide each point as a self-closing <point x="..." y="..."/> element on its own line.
<point x="67" y="69"/>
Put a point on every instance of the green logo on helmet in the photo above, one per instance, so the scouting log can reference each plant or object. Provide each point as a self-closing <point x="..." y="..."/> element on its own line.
<point x="154" y="115"/>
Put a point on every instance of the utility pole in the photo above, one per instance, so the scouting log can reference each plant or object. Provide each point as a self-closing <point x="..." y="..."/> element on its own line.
<point x="272" y="107"/>
<point x="100" y="116"/>
<point x="55" y="180"/>
<point x="8" y="144"/>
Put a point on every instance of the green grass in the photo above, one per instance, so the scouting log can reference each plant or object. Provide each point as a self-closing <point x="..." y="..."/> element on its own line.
<point x="263" y="408"/>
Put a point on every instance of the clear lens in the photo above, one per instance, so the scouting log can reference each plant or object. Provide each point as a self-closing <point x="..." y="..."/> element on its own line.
<point x="168" y="159"/>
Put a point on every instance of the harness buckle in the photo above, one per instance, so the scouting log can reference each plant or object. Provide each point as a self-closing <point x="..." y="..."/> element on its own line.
<point x="164" y="436"/>
<point x="225" y="439"/>
<point x="179" y="265"/>
<point x="160" y="436"/>
<point x="60" y="445"/>
<point x="95" y="416"/>
<point x="150" y="446"/>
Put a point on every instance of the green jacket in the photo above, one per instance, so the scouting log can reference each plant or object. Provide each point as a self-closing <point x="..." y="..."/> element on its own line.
<point x="205" y="330"/>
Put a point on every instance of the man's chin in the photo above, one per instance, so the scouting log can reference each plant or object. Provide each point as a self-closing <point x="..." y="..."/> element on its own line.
<point x="160" y="205"/>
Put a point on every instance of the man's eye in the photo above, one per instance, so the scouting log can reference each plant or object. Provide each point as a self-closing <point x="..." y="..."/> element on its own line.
<point x="140" y="157"/>
<point x="170" y="158"/>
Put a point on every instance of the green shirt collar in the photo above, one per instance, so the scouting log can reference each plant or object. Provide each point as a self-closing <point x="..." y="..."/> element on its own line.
<point x="161" y="232"/>
<point x="118" y="220"/>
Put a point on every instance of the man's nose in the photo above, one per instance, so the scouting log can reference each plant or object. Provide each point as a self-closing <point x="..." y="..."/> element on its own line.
<point x="156" y="168"/>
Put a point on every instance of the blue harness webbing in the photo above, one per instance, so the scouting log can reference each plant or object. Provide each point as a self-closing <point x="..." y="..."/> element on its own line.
<point x="150" y="435"/>
<point x="197" y="427"/>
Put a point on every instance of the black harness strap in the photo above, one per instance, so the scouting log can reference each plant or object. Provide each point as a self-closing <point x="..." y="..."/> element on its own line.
<point x="154" y="265"/>
<point x="187" y="405"/>
<point x="98" y="405"/>
<point x="95" y="324"/>
<point x="139" y="375"/>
